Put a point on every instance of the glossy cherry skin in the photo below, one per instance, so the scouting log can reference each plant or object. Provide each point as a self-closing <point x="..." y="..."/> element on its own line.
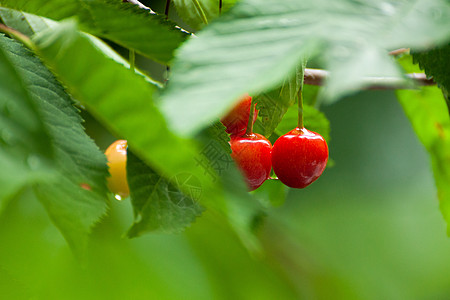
<point x="117" y="163"/>
<point x="299" y="157"/>
<point x="252" y="154"/>
<point x="237" y="119"/>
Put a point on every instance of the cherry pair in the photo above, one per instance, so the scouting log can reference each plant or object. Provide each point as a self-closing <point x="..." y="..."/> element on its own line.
<point x="298" y="158"/>
<point x="250" y="151"/>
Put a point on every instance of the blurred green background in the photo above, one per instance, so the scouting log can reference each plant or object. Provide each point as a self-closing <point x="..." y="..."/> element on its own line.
<point x="369" y="228"/>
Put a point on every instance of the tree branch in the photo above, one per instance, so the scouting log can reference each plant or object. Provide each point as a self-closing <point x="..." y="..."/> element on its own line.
<point x="399" y="51"/>
<point x="317" y="77"/>
<point x="17" y="35"/>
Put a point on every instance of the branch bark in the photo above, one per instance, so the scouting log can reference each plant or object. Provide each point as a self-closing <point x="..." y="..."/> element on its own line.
<point x="17" y="35"/>
<point x="318" y="77"/>
<point x="399" y="51"/>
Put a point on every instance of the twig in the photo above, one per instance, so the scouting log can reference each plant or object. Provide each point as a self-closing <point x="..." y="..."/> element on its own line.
<point x="399" y="51"/>
<point x="17" y="35"/>
<point x="317" y="77"/>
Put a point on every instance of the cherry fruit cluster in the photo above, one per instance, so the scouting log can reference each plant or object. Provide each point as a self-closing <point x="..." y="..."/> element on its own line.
<point x="298" y="158"/>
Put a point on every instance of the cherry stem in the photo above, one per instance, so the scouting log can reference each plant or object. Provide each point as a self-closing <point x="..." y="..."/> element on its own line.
<point x="250" y="118"/>
<point x="301" y="74"/>
<point x="220" y="7"/>
<point x="132" y="58"/>
<point x="300" y="108"/>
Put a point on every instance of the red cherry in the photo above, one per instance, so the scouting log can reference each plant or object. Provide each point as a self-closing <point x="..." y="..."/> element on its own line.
<point x="299" y="157"/>
<point x="237" y="119"/>
<point x="251" y="152"/>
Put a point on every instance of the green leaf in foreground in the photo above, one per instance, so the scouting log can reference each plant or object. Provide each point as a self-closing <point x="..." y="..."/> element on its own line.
<point x="258" y="42"/>
<point x="159" y="204"/>
<point x="123" y="23"/>
<point x="77" y="199"/>
<point x="429" y="118"/>
<point x="123" y="102"/>
<point x="25" y="148"/>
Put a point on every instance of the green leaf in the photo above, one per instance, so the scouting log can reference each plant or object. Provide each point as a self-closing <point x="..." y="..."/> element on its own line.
<point x="123" y="102"/>
<point x="123" y="23"/>
<point x="77" y="198"/>
<point x="257" y="43"/>
<point x="159" y="204"/>
<point x="313" y="120"/>
<point x="31" y="24"/>
<point x="429" y="117"/>
<point x="436" y="63"/>
<point x="273" y="105"/>
<point x="198" y="13"/>
<point x="25" y="148"/>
